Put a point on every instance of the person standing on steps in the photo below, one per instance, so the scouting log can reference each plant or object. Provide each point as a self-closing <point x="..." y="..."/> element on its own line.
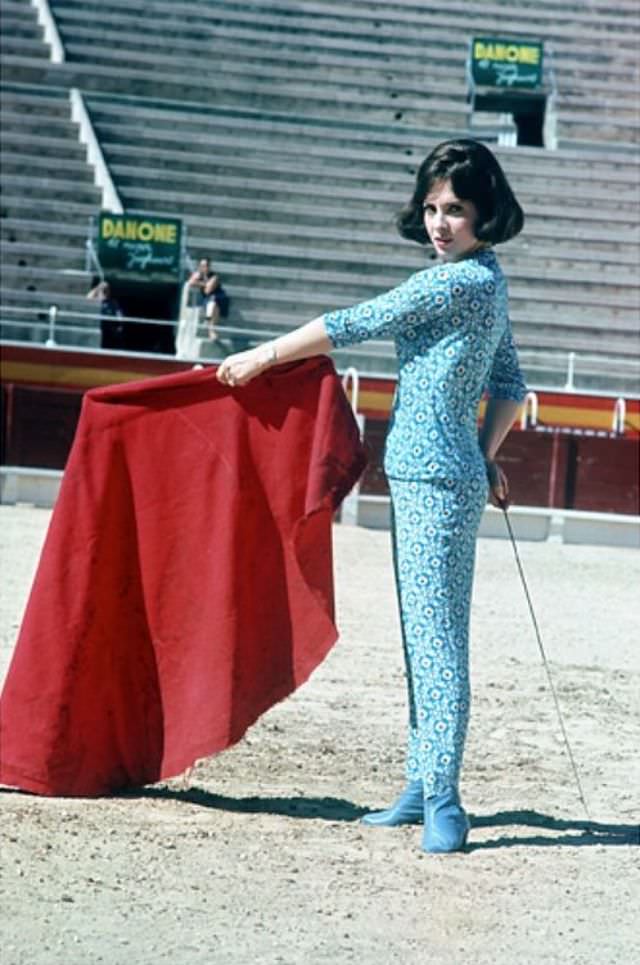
<point x="453" y="341"/>
<point x="211" y="296"/>
<point x="113" y="331"/>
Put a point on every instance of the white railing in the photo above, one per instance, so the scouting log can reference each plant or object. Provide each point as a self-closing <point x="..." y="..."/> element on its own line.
<point x="50" y="28"/>
<point x="529" y="417"/>
<point x="187" y="341"/>
<point x="619" y="417"/>
<point x="350" y="504"/>
<point x="101" y="175"/>
<point x="557" y="370"/>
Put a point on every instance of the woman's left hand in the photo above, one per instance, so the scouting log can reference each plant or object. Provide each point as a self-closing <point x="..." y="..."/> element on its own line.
<point x="240" y="368"/>
<point x="498" y="485"/>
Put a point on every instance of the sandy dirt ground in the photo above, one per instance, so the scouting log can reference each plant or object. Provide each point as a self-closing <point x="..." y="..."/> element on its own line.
<point x="261" y="860"/>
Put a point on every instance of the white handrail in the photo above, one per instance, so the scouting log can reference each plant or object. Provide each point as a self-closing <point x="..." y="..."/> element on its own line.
<point x="619" y="416"/>
<point x="51" y="338"/>
<point x="101" y="176"/>
<point x="571" y="369"/>
<point x="349" y="508"/>
<point x="352" y="376"/>
<point x="50" y="28"/>
<point x="529" y="417"/>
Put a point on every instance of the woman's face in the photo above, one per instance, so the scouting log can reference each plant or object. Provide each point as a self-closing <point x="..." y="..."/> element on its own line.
<point x="449" y="222"/>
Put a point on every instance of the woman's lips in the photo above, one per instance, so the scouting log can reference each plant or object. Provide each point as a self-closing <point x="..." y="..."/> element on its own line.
<point x="442" y="242"/>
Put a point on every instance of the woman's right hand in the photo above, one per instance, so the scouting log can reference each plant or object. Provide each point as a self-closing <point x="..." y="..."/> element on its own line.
<point x="498" y="484"/>
<point x="240" y="368"/>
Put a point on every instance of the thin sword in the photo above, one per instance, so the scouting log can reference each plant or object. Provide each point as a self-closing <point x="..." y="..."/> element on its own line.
<point x="567" y="745"/>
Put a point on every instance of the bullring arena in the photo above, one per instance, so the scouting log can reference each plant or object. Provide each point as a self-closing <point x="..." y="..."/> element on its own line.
<point x="278" y="140"/>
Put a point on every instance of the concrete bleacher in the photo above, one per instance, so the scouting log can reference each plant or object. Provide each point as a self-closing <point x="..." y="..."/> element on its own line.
<point x="288" y="134"/>
<point x="48" y="196"/>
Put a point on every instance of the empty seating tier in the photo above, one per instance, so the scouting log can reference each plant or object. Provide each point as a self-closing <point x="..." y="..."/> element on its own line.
<point x="287" y="135"/>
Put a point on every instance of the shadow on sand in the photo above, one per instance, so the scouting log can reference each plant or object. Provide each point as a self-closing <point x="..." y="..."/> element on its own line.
<point x="325" y="808"/>
<point x="570" y="833"/>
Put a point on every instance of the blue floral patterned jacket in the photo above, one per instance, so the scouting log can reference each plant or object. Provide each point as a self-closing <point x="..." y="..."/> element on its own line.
<point x="453" y="339"/>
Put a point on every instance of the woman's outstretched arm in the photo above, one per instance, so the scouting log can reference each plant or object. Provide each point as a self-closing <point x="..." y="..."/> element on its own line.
<point x="310" y="339"/>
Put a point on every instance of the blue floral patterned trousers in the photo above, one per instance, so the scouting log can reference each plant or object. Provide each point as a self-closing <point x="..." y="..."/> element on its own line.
<point x="435" y="525"/>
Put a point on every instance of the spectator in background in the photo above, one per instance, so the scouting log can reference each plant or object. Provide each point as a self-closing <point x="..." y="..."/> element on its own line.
<point x="112" y="328"/>
<point x="211" y="295"/>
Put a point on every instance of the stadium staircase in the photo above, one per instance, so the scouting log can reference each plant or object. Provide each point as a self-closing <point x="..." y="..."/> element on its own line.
<point x="288" y="134"/>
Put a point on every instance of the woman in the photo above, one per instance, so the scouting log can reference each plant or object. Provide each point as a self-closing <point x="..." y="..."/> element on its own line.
<point x="211" y="295"/>
<point x="453" y="340"/>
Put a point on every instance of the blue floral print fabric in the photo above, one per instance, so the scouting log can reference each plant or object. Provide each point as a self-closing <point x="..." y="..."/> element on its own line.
<point x="434" y="538"/>
<point x="453" y="339"/>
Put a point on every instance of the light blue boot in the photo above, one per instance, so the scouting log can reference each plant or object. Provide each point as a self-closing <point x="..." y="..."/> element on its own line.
<point x="446" y="824"/>
<point x="408" y="809"/>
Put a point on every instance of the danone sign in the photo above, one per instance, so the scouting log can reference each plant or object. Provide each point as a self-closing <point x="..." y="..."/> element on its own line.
<point x="496" y="62"/>
<point x="140" y="247"/>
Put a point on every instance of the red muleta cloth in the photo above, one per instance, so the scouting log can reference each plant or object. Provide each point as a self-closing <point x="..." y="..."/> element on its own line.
<point x="186" y="582"/>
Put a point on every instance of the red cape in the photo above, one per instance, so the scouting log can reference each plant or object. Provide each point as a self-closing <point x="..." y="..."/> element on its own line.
<point x="185" y="585"/>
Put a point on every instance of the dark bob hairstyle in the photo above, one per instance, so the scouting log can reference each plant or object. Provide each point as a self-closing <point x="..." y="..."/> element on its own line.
<point x="476" y="176"/>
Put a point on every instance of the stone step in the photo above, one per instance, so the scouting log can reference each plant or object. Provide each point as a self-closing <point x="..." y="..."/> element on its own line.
<point x="231" y="54"/>
<point x="39" y="124"/>
<point x="126" y="80"/>
<point x="17" y="12"/>
<point x="69" y="253"/>
<point x="240" y="62"/>
<point x="32" y="145"/>
<point x="226" y="53"/>
<point x="20" y="101"/>
<point x="622" y="299"/>
<point x="532" y="336"/>
<point x="274" y="203"/>
<point x="65" y="335"/>
<point x="38" y="301"/>
<point x="132" y="165"/>
<point x="296" y="136"/>
<point x="625" y="133"/>
<point x="26" y="28"/>
<point x="45" y="209"/>
<point x="444" y="101"/>
<point x="318" y="244"/>
<point x="419" y="106"/>
<point x="615" y="103"/>
<point x="306" y="301"/>
<point x="563" y="252"/>
<point x="598" y="14"/>
<point x="245" y="152"/>
<point x="12" y="162"/>
<point x="432" y="27"/>
<point x="254" y="292"/>
<point x="292" y="263"/>
<point x="569" y="164"/>
<point x="350" y="129"/>
<point x="57" y="256"/>
<point x="532" y="333"/>
<point x="59" y="189"/>
<point x="30" y="231"/>
<point x="70" y="281"/>
<point x="274" y="216"/>
<point x="158" y="128"/>
<point x="20" y="46"/>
